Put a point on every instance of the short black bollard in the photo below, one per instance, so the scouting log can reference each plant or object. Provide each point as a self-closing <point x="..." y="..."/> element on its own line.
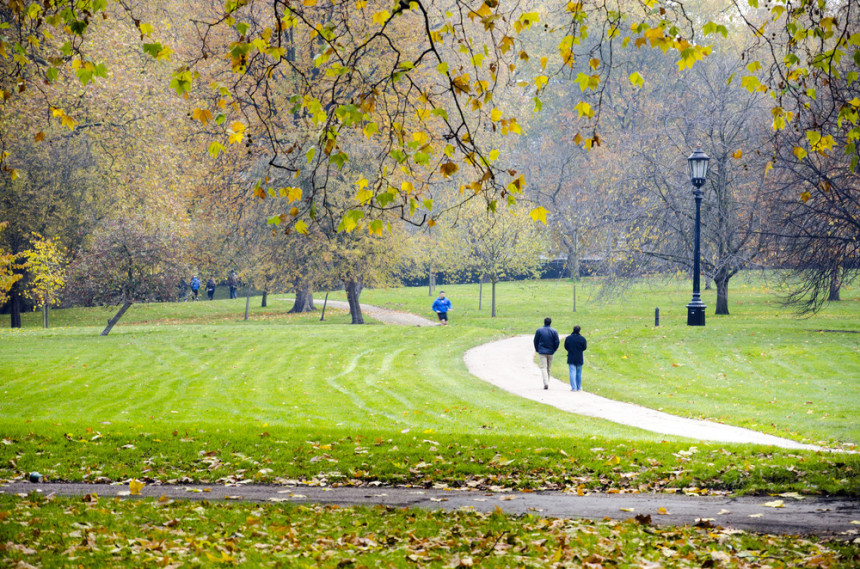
<point x="656" y="317"/>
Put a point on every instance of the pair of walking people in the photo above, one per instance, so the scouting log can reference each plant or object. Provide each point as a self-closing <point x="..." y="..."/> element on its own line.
<point x="546" y="344"/>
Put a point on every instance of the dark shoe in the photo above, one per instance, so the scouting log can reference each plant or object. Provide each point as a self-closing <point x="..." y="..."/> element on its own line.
<point x="546" y="386"/>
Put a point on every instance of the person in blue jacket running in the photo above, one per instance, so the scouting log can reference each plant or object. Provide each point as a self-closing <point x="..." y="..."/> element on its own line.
<point x="441" y="306"/>
<point x="195" y="286"/>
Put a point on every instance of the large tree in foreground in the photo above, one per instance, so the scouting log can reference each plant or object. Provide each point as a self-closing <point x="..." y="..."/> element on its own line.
<point x="128" y="260"/>
<point x="421" y="78"/>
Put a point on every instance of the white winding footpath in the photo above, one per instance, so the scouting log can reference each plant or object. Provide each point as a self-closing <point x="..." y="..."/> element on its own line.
<point x="509" y="364"/>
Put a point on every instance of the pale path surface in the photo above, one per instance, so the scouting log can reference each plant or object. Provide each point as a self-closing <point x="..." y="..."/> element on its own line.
<point x="384" y="315"/>
<point x="509" y="364"/>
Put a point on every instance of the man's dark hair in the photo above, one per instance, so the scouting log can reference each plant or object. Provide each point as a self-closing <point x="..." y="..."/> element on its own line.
<point x="576" y="329"/>
<point x="547" y="321"/>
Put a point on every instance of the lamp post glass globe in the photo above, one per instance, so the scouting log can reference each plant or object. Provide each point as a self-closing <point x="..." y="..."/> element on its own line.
<point x="698" y="169"/>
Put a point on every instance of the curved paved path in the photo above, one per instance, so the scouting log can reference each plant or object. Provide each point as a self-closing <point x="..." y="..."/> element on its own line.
<point x="509" y="364"/>
<point x="810" y="515"/>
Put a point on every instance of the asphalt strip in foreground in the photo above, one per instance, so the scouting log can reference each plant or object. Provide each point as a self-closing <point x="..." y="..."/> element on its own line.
<point x="788" y="514"/>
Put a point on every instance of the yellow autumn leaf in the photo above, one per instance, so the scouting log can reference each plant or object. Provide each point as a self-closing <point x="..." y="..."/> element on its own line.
<point x="69" y="122"/>
<point x="539" y="214"/>
<point x="39" y="136"/>
<point x="237" y="127"/>
<point x="799" y="152"/>
<point x="293" y="194"/>
<point x="495" y="115"/>
<point x="627" y="510"/>
<point x="805" y="196"/>
<point x="309" y="3"/>
<point x="202" y="115"/>
<point x="737" y="154"/>
<point x="57" y="112"/>
<point x="302" y="227"/>
<point x="594" y="63"/>
<point x="775" y="504"/>
<point x="134" y="487"/>
<point x="637" y="79"/>
<point x="584" y="109"/>
<point x="14" y="174"/>
<point x="381" y="17"/>
<point x="662" y="511"/>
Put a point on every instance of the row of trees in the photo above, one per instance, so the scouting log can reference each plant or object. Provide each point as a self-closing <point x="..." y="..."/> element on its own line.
<point x="333" y="121"/>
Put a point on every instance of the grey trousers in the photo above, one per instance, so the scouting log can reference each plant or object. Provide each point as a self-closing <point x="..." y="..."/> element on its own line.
<point x="545" y="363"/>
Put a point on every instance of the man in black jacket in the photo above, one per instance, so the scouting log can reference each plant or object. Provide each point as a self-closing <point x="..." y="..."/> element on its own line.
<point x="575" y="344"/>
<point x="546" y="343"/>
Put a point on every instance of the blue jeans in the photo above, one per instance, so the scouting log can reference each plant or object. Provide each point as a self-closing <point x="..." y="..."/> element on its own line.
<point x="575" y="374"/>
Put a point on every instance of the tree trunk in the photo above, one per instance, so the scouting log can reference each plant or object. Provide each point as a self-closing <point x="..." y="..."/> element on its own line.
<point x="835" y="285"/>
<point x="722" y="282"/>
<point x="325" y="303"/>
<point x="112" y="322"/>
<point x="265" y="297"/>
<point x="15" y="304"/>
<point x="304" y="298"/>
<point x="45" y="314"/>
<point x="353" y="292"/>
<point x="481" y="292"/>
<point x="494" y="298"/>
<point x="431" y="281"/>
<point x="247" y="300"/>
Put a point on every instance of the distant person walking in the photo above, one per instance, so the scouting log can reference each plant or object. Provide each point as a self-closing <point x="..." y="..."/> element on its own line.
<point x="575" y="344"/>
<point x="195" y="286"/>
<point x="546" y="344"/>
<point x="210" y="288"/>
<point x="233" y="283"/>
<point x="441" y="306"/>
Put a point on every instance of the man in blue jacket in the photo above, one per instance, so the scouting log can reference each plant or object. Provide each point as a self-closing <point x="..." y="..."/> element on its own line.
<point x="546" y="343"/>
<point x="441" y="306"/>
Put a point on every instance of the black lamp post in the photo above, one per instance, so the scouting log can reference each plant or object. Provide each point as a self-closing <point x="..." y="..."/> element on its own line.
<point x="698" y="168"/>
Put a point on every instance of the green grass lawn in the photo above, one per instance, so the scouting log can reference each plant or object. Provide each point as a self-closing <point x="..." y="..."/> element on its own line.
<point x="190" y="392"/>
<point x="288" y="396"/>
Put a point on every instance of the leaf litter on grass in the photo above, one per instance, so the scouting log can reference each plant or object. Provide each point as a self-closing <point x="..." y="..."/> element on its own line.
<point x="99" y="532"/>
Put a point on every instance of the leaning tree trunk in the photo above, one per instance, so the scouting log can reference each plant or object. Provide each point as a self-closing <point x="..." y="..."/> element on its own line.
<point x="265" y="296"/>
<point x="353" y="292"/>
<point x="722" y="282"/>
<point x="835" y="285"/>
<point x="304" y="298"/>
<point x="112" y="322"/>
